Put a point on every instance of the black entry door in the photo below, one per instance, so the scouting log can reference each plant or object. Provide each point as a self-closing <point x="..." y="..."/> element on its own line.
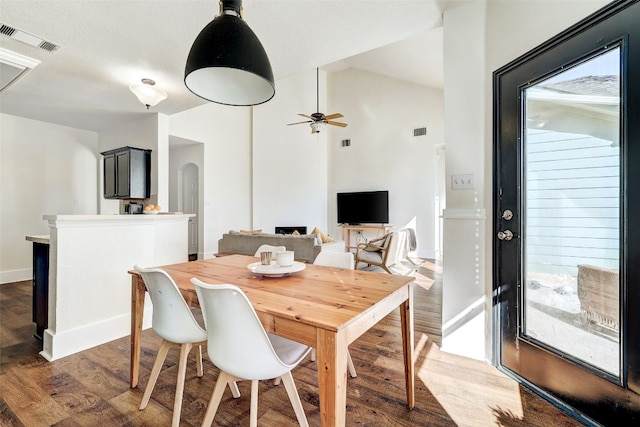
<point x="566" y="206"/>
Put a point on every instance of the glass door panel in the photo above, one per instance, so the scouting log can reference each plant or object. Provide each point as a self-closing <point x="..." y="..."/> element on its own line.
<point x="571" y="212"/>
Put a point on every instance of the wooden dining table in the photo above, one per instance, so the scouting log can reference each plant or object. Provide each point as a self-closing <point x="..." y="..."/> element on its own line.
<point x="324" y="307"/>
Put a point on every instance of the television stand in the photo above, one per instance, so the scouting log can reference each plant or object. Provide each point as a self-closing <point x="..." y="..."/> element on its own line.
<point x="348" y="230"/>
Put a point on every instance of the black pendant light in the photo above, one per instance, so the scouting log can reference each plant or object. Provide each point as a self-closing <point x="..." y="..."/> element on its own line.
<point x="227" y="63"/>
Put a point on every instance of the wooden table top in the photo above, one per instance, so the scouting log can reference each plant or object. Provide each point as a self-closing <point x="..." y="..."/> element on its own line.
<point x="325" y="297"/>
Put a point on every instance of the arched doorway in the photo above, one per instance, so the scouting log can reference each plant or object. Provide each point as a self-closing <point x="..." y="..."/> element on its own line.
<point x="189" y="204"/>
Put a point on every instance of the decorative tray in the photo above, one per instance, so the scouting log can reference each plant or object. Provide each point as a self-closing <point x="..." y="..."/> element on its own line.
<point x="274" y="270"/>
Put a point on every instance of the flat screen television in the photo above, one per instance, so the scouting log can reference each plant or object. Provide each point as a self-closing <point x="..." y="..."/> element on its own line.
<point x="363" y="207"/>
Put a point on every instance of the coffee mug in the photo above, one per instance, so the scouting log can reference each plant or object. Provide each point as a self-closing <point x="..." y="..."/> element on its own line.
<point x="284" y="258"/>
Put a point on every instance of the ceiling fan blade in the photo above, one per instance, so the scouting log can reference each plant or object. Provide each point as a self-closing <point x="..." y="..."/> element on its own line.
<point x="333" y="116"/>
<point x="305" y="115"/>
<point x="299" y="123"/>
<point x="342" y="125"/>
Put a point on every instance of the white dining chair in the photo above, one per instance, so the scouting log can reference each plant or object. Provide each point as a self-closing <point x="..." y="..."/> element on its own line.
<point x="335" y="259"/>
<point x="270" y="248"/>
<point x="240" y="347"/>
<point x="174" y="322"/>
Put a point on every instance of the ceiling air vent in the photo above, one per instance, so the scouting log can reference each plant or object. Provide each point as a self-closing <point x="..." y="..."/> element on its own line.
<point x="420" y="131"/>
<point x="51" y="47"/>
<point x="7" y="30"/>
<point x="30" y="39"/>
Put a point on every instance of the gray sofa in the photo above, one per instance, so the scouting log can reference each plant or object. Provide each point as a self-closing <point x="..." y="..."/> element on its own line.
<point x="306" y="246"/>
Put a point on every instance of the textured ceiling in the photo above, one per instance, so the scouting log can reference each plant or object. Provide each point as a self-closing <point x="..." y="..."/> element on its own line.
<point x="105" y="45"/>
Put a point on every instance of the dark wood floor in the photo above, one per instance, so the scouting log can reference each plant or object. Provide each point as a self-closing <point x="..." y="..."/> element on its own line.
<point x="91" y="388"/>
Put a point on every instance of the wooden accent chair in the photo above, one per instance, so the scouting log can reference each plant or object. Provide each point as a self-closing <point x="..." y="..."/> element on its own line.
<point x="382" y="252"/>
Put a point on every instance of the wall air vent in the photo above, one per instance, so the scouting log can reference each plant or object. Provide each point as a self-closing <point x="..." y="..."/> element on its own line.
<point x="30" y="39"/>
<point x="420" y="131"/>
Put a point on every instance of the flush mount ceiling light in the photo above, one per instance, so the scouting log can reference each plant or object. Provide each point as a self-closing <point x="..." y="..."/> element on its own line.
<point x="227" y="63"/>
<point x="147" y="93"/>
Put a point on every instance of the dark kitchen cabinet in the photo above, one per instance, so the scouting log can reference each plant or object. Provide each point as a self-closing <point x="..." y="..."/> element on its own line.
<point x="40" y="297"/>
<point x="127" y="173"/>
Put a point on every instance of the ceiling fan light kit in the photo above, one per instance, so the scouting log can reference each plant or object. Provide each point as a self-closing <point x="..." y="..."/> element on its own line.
<point x="316" y="127"/>
<point x="227" y="64"/>
<point x="318" y="120"/>
<point x="147" y="93"/>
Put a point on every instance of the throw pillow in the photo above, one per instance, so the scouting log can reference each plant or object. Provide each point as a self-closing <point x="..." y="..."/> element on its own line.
<point x="295" y="233"/>
<point x="257" y="231"/>
<point x="323" y="236"/>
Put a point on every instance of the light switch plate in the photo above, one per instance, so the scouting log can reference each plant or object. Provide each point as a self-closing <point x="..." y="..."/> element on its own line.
<point x="462" y="182"/>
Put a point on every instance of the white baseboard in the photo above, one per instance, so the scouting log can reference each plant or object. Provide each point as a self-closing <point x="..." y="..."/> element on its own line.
<point x="61" y="344"/>
<point x="463" y="317"/>
<point x="465" y="334"/>
<point x="16" y="275"/>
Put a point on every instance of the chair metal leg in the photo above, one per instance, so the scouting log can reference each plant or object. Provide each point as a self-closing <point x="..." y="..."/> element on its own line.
<point x="290" y="386"/>
<point x="155" y="371"/>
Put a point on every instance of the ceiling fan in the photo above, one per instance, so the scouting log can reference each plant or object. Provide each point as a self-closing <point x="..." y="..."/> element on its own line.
<point x="318" y="120"/>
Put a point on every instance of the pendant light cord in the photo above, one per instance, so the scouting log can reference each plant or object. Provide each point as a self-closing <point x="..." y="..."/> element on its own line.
<point x="317" y="91"/>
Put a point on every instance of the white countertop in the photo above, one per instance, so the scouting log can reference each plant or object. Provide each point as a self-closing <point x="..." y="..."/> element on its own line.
<point x="125" y="217"/>
<point x="40" y="238"/>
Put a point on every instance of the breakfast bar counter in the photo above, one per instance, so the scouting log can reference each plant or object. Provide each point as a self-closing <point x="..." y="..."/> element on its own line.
<point x="89" y="292"/>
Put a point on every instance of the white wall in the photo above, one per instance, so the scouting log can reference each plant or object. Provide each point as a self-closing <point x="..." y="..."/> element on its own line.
<point x="464" y="221"/>
<point x="44" y="169"/>
<point x="289" y="163"/>
<point x="161" y="170"/>
<point x="381" y="113"/>
<point x="479" y="38"/>
<point x="226" y="171"/>
<point x="147" y="132"/>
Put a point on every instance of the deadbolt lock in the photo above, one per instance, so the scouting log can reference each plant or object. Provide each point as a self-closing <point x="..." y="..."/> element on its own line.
<point x="507" y="214"/>
<point x="505" y="235"/>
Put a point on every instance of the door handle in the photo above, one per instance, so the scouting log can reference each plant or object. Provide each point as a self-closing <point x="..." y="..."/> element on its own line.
<point x="505" y="235"/>
<point x="507" y="214"/>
